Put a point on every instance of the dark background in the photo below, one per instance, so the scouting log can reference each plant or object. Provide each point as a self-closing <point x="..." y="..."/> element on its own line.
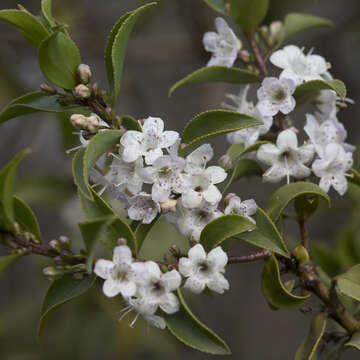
<point x="165" y="47"/>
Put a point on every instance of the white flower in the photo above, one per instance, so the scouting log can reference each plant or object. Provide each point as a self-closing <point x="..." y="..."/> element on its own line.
<point x="120" y="274"/>
<point x="143" y="208"/>
<point x="244" y="208"/>
<point x="166" y="176"/>
<point x="298" y="66"/>
<point x="330" y="131"/>
<point x="199" y="158"/>
<point x="331" y="168"/>
<point x="149" y="142"/>
<point x="224" y="45"/>
<point x="286" y="158"/>
<point x="276" y="95"/>
<point x="203" y="270"/>
<point x="250" y="135"/>
<point x="191" y="222"/>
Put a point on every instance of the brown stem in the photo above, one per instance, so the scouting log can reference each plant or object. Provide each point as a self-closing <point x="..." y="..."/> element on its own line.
<point x="305" y="240"/>
<point x="259" y="255"/>
<point x="258" y="55"/>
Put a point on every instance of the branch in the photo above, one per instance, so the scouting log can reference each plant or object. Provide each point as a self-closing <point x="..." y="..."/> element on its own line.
<point x="259" y="255"/>
<point x="258" y="55"/>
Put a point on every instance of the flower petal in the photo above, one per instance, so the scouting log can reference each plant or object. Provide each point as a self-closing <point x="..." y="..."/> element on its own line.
<point x="217" y="258"/>
<point x="103" y="268"/>
<point x="197" y="253"/>
<point x="122" y="254"/>
<point x="171" y="305"/>
<point x="171" y="280"/>
<point x="111" y="288"/>
<point x="216" y="174"/>
<point x="218" y="284"/>
<point x="194" y="284"/>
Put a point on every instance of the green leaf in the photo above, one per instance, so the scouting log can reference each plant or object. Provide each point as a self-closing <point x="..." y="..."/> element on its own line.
<point x="190" y="331"/>
<point x="59" y="59"/>
<point x="6" y="261"/>
<point x="7" y="179"/>
<point x="237" y="150"/>
<point x="217" y="74"/>
<point x="101" y="143"/>
<point x="129" y="123"/>
<point x="349" y="282"/>
<point x="325" y="257"/>
<point x="99" y="208"/>
<point x="297" y="22"/>
<point x="282" y="197"/>
<point x="274" y="290"/>
<point x="265" y="235"/>
<point x="213" y="123"/>
<point x="118" y="44"/>
<point x="60" y="292"/>
<point x="92" y="232"/>
<point x="243" y="168"/>
<point x="46" y="6"/>
<point x="223" y="228"/>
<point x="38" y="102"/>
<point x="248" y="14"/>
<point x="25" y="217"/>
<point x="308" y="349"/>
<point x="78" y="173"/>
<point x="309" y="89"/>
<point x="305" y="206"/>
<point x="354" y="341"/>
<point x="32" y="29"/>
<point x="218" y="5"/>
<point x="142" y="231"/>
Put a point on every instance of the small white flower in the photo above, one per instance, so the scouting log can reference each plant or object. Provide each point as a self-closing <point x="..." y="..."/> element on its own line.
<point x="331" y="168"/>
<point x="297" y="66"/>
<point x="166" y="176"/>
<point x="276" y="95"/>
<point x="203" y="269"/>
<point x="199" y="158"/>
<point x="329" y="131"/>
<point x="121" y="274"/>
<point x="149" y="142"/>
<point x="245" y="208"/>
<point x="223" y="44"/>
<point x="286" y="158"/>
<point x="143" y="208"/>
<point x="250" y="135"/>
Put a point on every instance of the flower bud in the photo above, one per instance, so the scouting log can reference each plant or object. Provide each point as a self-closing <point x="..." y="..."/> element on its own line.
<point x="225" y="162"/>
<point x="53" y="273"/>
<point x="90" y="123"/>
<point x="275" y="32"/>
<point x="228" y="197"/>
<point x="55" y="245"/>
<point x="46" y="88"/>
<point x="244" y="56"/>
<point x="121" y="241"/>
<point x="301" y="255"/>
<point x="84" y="72"/>
<point x="65" y="242"/>
<point x="83" y="91"/>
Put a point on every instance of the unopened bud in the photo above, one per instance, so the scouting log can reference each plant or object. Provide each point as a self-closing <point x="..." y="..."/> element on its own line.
<point x="301" y="255"/>
<point x="90" y="123"/>
<point x="121" y="241"/>
<point x="78" y="120"/>
<point x="53" y="272"/>
<point x="55" y="245"/>
<point x="84" y="72"/>
<point x="65" y="242"/>
<point x="175" y="251"/>
<point x="228" y="197"/>
<point x="275" y="33"/>
<point x="264" y="32"/>
<point x="225" y="162"/>
<point x="82" y="91"/>
<point x="244" y="56"/>
<point x="46" y="88"/>
<point x="169" y="205"/>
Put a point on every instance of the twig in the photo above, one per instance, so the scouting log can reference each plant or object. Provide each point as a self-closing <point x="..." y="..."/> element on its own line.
<point x="259" y="255"/>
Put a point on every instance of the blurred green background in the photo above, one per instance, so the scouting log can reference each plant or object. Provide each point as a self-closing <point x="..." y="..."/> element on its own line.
<point x="165" y="47"/>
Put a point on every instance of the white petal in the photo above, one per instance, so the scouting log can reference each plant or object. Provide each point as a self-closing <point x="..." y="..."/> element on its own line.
<point x="122" y="254"/>
<point x="283" y="58"/>
<point x="152" y="155"/>
<point x="127" y="288"/>
<point x="201" y="155"/>
<point x="218" y="258"/>
<point x="210" y="40"/>
<point x="111" y="288"/>
<point x="288" y="105"/>
<point x="317" y="64"/>
<point x="153" y="125"/>
<point x="194" y="284"/>
<point x="153" y="270"/>
<point x="218" y="284"/>
<point x="168" y="138"/>
<point x="306" y="153"/>
<point x="186" y="266"/>
<point x="340" y="184"/>
<point x="192" y="199"/>
<point x="212" y="194"/>
<point x="249" y="207"/>
<point x="103" y="268"/>
<point x="171" y="280"/>
<point x="160" y="192"/>
<point x="268" y="154"/>
<point x="171" y="305"/>
<point x="156" y="321"/>
<point x="131" y="153"/>
<point x="287" y="139"/>
<point x="325" y="183"/>
<point x="275" y="173"/>
<point x="266" y="107"/>
<point x="216" y="174"/>
<point x="197" y="254"/>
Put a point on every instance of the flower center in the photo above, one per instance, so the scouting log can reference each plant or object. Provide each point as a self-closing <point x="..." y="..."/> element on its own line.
<point x="203" y="266"/>
<point x="198" y="189"/>
<point x="157" y="288"/>
<point x="279" y="95"/>
<point x="164" y="171"/>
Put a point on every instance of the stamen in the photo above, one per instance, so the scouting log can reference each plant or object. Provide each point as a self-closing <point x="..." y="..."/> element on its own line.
<point x="287" y="170"/>
<point x="134" y="321"/>
<point x="125" y="313"/>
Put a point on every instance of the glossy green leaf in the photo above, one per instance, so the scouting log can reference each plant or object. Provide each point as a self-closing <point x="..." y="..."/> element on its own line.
<point x="265" y="235"/>
<point x="26" y="219"/>
<point x="243" y="168"/>
<point x="129" y="123"/>
<point x="218" y="5"/>
<point x="354" y="342"/>
<point x="6" y="261"/>
<point x="248" y="14"/>
<point x="274" y="290"/>
<point x="213" y="123"/>
<point x="92" y="232"/>
<point x="99" y="208"/>
<point x="32" y="29"/>
<point x="59" y="59"/>
<point x="308" y="349"/>
<point x="212" y="74"/>
<point x="309" y="89"/>
<point x="60" y="292"/>
<point x="223" y="228"/>
<point x="118" y="46"/>
<point x="325" y="257"/>
<point x="101" y="143"/>
<point x="38" y="102"/>
<point x="297" y="22"/>
<point x="7" y="180"/>
<point x="142" y="231"/>
<point x="282" y="197"/>
<point x="190" y="331"/>
<point x="235" y="151"/>
<point x="78" y="173"/>
<point x="305" y="206"/>
<point x="46" y="7"/>
<point x="347" y="248"/>
<point x="349" y="282"/>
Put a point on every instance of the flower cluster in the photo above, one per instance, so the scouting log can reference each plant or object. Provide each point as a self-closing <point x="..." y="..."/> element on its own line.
<point x="147" y="290"/>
